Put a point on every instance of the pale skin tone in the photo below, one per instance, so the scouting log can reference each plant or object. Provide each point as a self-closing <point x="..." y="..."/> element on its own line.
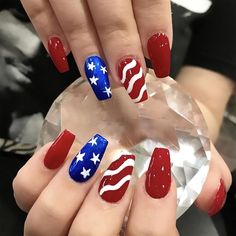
<point x="37" y="189"/>
<point x="56" y="203"/>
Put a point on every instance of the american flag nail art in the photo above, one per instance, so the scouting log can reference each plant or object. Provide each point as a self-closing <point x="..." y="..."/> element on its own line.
<point x="116" y="179"/>
<point x="96" y="72"/>
<point x="87" y="161"/>
<point x="131" y="75"/>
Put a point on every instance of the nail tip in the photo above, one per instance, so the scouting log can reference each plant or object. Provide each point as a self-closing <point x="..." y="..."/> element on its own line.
<point x="219" y="200"/>
<point x="59" y="150"/>
<point x="86" y="162"/>
<point x="117" y="174"/>
<point x="131" y="76"/>
<point x="97" y="76"/>
<point x="57" y="53"/>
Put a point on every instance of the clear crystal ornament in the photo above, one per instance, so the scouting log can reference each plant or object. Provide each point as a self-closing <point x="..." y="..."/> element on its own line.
<point x="169" y="118"/>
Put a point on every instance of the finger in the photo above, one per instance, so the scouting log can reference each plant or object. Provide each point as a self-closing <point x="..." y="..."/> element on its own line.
<point x="49" y="31"/>
<point x="153" y="210"/>
<point x="155" y="27"/>
<point x="214" y="191"/>
<point x="75" y="20"/>
<point x="118" y="34"/>
<point x="40" y="169"/>
<point x="107" y="202"/>
<point x="57" y="205"/>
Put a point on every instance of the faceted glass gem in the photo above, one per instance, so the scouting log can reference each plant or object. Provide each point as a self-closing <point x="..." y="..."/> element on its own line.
<point x="169" y="118"/>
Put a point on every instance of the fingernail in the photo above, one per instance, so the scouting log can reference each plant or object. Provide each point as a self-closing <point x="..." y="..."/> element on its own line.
<point x="159" y="53"/>
<point x="219" y="199"/>
<point x="59" y="150"/>
<point x="131" y="75"/>
<point x="58" y="54"/>
<point x="96" y="72"/>
<point x="87" y="161"/>
<point x="116" y="179"/>
<point x="158" y="176"/>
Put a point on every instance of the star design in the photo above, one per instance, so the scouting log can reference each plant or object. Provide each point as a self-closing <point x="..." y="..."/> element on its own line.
<point x="85" y="173"/>
<point x="93" y="141"/>
<point x="95" y="158"/>
<point x="93" y="80"/>
<point x="107" y="91"/>
<point x="80" y="156"/>
<point x="103" y="69"/>
<point x="91" y="66"/>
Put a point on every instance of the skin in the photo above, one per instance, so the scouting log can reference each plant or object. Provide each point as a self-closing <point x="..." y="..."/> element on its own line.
<point x="85" y="30"/>
<point x="36" y="190"/>
<point x="123" y="30"/>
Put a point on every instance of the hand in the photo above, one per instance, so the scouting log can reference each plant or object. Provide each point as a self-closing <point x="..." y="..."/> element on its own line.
<point x="121" y="32"/>
<point x="56" y="203"/>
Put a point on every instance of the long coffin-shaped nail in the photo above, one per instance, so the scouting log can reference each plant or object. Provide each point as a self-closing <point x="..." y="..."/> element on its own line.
<point x="159" y="53"/>
<point x="219" y="199"/>
<point x="131" y="75"/>
<point x="59" y="150"/>
<point x="58" y="55"/>
<point x="116" y="179"/>
<point x="87" y="161"/>
<point x="158" y="176"/>
<point x="96" y="72"/>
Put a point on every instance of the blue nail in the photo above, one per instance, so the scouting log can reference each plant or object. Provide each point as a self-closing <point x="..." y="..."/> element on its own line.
<point x="86" y="162"/>
<point x="96" y="72"/>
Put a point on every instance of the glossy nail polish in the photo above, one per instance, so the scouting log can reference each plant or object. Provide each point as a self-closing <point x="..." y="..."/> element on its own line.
<point x="87" y="161"/>
<point x="58" y="55"/>
<point x="159" y="52"/>
<point x="219" y="199"/>
<point x="96" y="72"/>
<point x="158" y="176"/>
<point x="116" y="179"/>
<point x="131" y="75"/>
<point x="59" y="150"/>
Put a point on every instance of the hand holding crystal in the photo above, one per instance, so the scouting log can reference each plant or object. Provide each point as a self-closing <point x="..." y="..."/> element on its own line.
<point x="66" y="202"/>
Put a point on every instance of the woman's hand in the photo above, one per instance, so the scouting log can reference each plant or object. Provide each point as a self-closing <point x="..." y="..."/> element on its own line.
<point x="116" y="33"/>
<point x="85" y="203"/>
<point x="80" y="203"/>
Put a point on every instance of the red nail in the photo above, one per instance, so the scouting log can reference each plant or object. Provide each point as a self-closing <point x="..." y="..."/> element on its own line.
<point x="159" y="52"/>
<point x="158" y="176"/>
<point x="58" y="54"/>
<point x="59" y="150"/>
<point x="131" y="75"/>
<point x="116" y="179"/>
<point x="219" y="200"/>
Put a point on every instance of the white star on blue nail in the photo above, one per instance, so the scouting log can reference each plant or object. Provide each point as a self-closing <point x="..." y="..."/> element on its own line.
<point x="85" y="173"/>
<point x="103" y="69"/>
<point x="95" y="158"/>
<point x="93" y="80"/>
<point x="107" y="91"/>
<point x="91" y="66"/>
<point x="93" y="141"/>
<point x="80" y="157"/>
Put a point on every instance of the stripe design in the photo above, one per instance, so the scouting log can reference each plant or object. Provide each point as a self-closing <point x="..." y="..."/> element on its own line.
<point x="132" y="77"/>
<point x="116" y="179"/>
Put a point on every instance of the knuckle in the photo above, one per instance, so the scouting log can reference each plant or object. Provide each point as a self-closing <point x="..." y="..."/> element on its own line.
<point x="161" y="230"/>
<point x="74" y="30"/>
<point x="30" y="228"/>
<point x="49" y="209"/>
<point x="81" y="232"/>
<point x="34" y="10"/>
<point x="117" y="28"/>
<point x="23" y="192"/>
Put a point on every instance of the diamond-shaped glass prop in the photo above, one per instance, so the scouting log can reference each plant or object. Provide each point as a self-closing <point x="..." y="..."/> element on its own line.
<point x="169" y="118"/>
